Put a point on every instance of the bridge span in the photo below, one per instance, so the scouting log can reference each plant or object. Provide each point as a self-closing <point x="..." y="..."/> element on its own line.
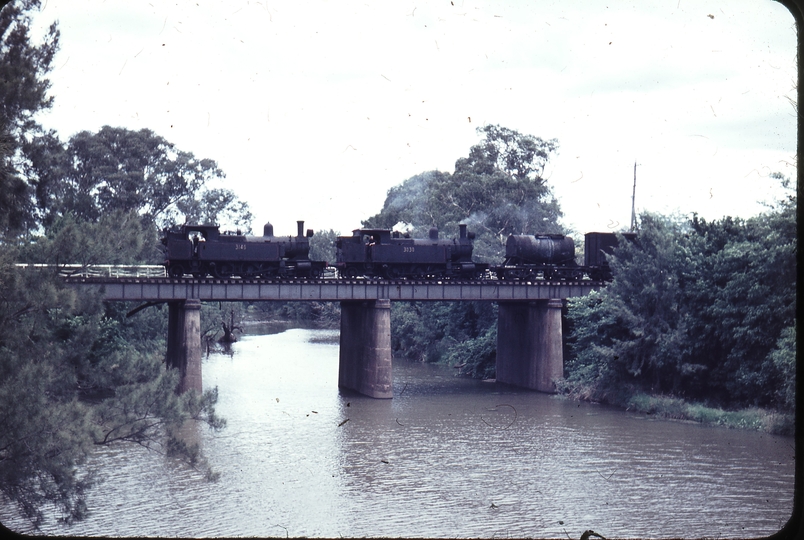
<point x="529" y="335"/>
<point x="330" y="290"/>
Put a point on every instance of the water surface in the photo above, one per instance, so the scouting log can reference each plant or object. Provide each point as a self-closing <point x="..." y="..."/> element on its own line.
<point x="447" y="457"/>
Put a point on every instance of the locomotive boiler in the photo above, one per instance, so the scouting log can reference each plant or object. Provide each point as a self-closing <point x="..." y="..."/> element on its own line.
<point x="202" y="250"/>
<point x="390" y="254"/>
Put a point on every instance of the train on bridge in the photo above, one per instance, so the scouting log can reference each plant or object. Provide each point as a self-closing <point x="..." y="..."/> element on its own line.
<point x="204" y="250"/>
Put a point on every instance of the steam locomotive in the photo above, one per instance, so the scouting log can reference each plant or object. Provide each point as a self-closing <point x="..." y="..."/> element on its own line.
<point x="201" y="250"/>
<point x="390" y="254"/>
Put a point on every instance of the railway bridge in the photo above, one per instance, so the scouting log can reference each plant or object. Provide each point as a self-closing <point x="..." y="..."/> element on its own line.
<point x="529" y="337"/>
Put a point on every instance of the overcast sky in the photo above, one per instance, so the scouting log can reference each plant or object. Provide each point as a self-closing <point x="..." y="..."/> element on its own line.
<point x="314" y="109"/>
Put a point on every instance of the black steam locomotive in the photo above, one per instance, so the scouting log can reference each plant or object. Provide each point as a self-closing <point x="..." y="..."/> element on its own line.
<point x="202" y="250"/>
<point x="390" y="254"/>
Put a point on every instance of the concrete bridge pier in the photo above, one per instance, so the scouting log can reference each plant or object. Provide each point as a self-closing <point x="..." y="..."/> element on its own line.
<point x="184" y="342"/>
<point x="529" y="344"/>
<point x="365" y="355"/>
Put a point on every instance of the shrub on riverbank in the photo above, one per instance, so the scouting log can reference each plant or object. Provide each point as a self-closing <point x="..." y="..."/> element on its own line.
<point x="701" y="310"/>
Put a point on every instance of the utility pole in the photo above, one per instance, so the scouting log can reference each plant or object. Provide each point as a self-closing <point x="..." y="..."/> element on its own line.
<point x="633" y="202"/>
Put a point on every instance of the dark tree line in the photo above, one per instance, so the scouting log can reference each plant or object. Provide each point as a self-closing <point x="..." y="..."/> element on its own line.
<point x="118" y="170"/>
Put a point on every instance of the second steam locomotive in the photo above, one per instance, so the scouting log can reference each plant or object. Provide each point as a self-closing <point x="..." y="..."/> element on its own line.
<point x="202" y="250"/>
<point x="390" y="254"/>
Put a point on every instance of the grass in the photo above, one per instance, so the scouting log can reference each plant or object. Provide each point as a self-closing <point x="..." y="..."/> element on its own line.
<point x="753" y="418"/>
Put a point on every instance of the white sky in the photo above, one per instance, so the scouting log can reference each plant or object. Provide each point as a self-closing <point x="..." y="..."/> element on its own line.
<point x="314" y="109"/>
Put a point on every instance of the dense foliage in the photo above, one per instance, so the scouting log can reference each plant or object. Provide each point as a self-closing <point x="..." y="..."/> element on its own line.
<point x="23" y="93"/>
<point x="699" y="310"/>
<point x="117" y="169"/>
<point x="497" y="190"/>
<point x="76" y="373"/>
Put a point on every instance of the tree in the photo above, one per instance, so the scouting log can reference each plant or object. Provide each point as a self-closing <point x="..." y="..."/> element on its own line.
<point x="703" y="310"/>
<point x="116" y="238"/>
<point x="225" y="317"/>
<point x="497" y="190"/>
<point x="23" y="93"/>
<point x="646" y="298"/>
<point x="322" y="246"/>
<point x="216" y="206"/>
<point x="117" y="169"/>
<point x="744" y="298"/>
<point x="500" y="187"/>
<point x="75" y="374"/>
<point x="415" y="203"/>
<point x="633" y="331"/>
<point x="523" y="157"/>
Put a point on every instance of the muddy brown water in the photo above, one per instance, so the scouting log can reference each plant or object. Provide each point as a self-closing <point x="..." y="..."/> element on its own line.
<point x="447" y="457"/>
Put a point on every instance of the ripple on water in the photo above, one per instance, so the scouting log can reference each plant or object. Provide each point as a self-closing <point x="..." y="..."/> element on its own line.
<point x="447" y="457"/>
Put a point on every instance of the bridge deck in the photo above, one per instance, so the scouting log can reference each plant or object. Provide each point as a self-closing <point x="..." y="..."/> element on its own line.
<point x="154" y="289"/>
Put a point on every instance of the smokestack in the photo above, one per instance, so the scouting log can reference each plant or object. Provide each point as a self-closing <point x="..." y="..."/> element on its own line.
<point x="301" y="228"/>
<point x="462" y="226"/>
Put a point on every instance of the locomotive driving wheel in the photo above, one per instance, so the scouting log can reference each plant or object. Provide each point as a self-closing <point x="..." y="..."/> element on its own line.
<point x="251" y="271"/>
<point x="223" y="271"/>
<point x="393" y="272"/>
<point x="176" y="270"/>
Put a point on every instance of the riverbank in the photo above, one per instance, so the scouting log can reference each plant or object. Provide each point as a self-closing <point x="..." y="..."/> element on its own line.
<point x="673" y="408"/>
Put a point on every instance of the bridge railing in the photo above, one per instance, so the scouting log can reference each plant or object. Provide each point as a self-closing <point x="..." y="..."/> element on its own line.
<point x="101" y="270"/>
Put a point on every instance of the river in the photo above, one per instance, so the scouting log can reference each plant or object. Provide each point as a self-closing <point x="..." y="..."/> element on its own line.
<point x="446" y="457"/>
